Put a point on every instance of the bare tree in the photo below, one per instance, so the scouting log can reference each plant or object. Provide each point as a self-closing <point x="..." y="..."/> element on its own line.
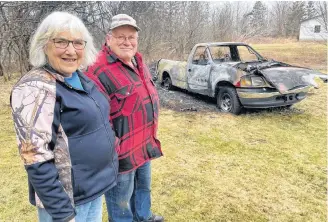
<point x="321" y="8"/>
<point x="221" y="21"/>
<point x="169" y="28"/>
<point x="279" y="18"/>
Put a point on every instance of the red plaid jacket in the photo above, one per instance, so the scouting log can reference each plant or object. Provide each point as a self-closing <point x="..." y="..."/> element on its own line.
<point x="134" y="105"/>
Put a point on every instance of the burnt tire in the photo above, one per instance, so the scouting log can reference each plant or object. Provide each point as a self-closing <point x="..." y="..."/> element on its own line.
<point x="227" y="100"/>
<point x="167" y="83"/>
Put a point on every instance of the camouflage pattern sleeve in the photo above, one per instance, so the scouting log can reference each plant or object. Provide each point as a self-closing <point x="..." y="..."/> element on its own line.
<point x="32" y="109"/>
<point x="32" y="101"/>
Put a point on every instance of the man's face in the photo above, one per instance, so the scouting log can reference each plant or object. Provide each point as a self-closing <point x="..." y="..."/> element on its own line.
<point x="123" y="41"/>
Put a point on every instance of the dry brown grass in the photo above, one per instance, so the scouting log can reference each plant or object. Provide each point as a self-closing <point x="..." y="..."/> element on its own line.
<point x="307" y="54"/>
<point x="271" y="40"/>
<point x="266" y="166"/>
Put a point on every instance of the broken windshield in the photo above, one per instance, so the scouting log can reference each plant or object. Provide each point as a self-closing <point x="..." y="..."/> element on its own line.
<point x="247" y="54"/>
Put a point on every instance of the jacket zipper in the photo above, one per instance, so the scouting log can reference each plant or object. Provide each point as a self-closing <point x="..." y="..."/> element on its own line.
<point x="113" y="144"/>
<point x="102" y="117"/>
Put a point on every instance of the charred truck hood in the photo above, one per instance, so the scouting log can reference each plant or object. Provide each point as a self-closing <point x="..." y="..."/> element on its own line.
<point x="281" y="75"/>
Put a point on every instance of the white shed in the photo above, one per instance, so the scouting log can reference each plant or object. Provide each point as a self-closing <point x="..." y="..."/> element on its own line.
<point x="313" y="29"/>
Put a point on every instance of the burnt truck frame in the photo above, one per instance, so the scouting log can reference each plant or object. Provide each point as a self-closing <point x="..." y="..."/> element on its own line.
<point x="237" y="76"/>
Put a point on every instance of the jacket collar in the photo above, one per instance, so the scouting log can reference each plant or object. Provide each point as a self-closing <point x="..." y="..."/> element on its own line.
<point x="85" y="81"/>
<point x="111" y="57"/>
<point x="54" y="72"/>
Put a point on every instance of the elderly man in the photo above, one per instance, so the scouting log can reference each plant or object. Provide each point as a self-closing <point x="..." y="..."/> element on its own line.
<point x="134" y="102"/>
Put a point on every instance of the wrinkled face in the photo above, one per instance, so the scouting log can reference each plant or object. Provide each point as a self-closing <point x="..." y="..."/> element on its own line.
<point x="65" y="60"/>
<point x="123" y="41"/>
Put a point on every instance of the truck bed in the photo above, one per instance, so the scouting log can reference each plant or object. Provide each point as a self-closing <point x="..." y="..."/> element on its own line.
<point x="176" y="71"/>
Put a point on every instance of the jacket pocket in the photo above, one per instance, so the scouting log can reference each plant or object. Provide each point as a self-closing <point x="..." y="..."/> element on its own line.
<point x="127" y="100"/>
<point x="79" y="182"/>
<point x="91" y="154"/>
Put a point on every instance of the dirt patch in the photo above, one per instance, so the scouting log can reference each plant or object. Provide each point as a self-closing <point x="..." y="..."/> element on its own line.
<point x="181" y="100"/>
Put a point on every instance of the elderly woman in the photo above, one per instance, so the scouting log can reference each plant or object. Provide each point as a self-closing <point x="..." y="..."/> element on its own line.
<point x="61" y="122"/>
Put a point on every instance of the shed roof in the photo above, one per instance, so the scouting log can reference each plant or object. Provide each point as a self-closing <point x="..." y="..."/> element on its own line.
<point x="311" y="18"/>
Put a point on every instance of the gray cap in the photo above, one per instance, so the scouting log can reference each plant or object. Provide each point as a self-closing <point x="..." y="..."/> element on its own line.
<point x="123" y="19"/>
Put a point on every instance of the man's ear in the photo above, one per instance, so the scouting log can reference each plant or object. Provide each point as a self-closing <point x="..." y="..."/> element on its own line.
<point x="108" y="37"/>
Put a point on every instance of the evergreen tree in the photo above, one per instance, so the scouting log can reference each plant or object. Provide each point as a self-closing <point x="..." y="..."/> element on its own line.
<point x="258" y="16"/>
<point x="295" y="15"/>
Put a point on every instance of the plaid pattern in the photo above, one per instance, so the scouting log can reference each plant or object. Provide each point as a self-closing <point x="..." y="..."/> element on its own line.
<point x="134" y="107"/>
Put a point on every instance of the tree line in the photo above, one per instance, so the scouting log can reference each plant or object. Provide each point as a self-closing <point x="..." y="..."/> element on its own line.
<point x="168" y="29"/>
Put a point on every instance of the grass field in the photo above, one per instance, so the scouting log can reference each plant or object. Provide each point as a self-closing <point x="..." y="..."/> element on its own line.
<point x="306" y="54"/>
<point x="259" y="166"/>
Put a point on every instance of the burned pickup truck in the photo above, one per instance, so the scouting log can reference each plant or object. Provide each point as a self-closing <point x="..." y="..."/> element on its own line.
<point x="237" y="76"/>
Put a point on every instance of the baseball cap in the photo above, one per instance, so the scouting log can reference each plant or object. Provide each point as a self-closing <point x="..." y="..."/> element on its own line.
<point x="123" y="19"/>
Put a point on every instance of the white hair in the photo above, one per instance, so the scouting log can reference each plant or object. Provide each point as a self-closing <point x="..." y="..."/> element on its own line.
<point x="53" y="24"/>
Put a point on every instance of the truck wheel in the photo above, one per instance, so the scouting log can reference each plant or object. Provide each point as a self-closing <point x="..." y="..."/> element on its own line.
<point x="228" y="101"/>
<point x="167" y="83"/>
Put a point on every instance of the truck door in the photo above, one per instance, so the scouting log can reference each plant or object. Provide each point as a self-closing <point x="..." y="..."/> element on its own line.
<point x="198" y="71"/>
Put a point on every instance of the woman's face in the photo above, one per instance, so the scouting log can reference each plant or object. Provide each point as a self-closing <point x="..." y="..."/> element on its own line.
<point x="65" y="60"/>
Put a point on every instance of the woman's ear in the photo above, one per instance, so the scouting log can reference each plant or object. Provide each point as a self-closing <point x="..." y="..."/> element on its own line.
<point x="45" y="49"/>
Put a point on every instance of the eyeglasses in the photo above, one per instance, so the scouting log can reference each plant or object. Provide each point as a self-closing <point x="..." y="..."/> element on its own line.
<point x="63" y="43"/>
<point x="121" y="39"/>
